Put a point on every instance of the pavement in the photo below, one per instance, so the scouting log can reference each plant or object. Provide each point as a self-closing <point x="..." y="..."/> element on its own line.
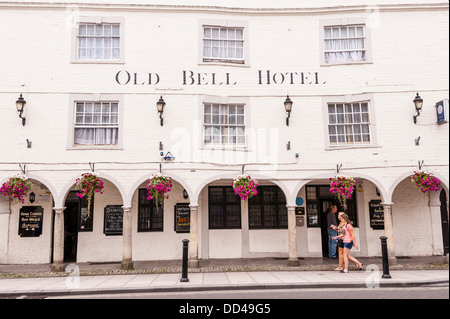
<point x="220" y="274"/>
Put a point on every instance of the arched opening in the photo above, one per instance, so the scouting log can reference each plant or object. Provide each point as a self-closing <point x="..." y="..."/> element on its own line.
<point x="26" y="227"/>
<point x="414" y="217"/>
<point x="313" y="199"/>
<point x="159" y="228"/>
<point x="232" y="228"/>
<point x="101" y="224"/>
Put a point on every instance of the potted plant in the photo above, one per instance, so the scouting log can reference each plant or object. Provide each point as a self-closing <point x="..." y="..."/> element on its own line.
<point x="425" y="181"/>
<point x="16" y="188"/>
<point x="158" y="187"/>
<point x="342" y="186"/>
<point x="244" y="186"/>
<point x="87" y="185"/>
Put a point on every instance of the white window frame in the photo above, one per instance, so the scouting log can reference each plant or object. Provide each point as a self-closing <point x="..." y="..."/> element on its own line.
<point x="350" y="99"/>
<point x="98" y="21"/>
<point x="226" y="24"/>
<point x="73" y="100"/>
<point x="340" y="23"/>
<point x="220" y="100"/>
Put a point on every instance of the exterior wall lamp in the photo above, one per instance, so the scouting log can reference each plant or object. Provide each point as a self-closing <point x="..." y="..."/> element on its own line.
<point x="288" y="107"/>
<point x="160" y="107"/>
<point x="20" y="105"/>
<point x="418" y="103"/>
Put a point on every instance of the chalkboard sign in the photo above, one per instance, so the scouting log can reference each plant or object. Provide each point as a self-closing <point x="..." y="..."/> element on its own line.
<point x="182" y="218"/>
<point x="113" y="220"/>
<point x="30" y="221"/>
<point x="376" y="213"/>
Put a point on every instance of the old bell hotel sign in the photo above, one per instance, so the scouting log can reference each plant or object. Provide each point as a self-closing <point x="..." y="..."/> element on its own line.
<point x="442" y="111"/>
<point x="191" y="78"/>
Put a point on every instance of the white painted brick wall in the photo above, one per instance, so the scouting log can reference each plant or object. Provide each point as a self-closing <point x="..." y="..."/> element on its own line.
<point x="407" y="58"/>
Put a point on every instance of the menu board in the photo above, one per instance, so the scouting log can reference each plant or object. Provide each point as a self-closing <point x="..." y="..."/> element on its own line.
<point x="113" y="220"/>
<point x="376" y="213"/>
<point x="182" y="218"/>
<point x="30" y="221"/>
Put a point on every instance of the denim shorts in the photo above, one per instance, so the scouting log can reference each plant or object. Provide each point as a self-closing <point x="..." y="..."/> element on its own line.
<point x="348" y="245"/>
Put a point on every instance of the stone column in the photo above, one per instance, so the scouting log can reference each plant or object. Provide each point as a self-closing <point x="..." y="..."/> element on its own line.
<point x="245" y="236"/>
<point x="389" y="233"/>
<point x="436" y="224"/>
<point x="58" y="240"/>
<point x="193" y="238"/>
<point x="292" y="231"/>
<point x="127" y="261"/>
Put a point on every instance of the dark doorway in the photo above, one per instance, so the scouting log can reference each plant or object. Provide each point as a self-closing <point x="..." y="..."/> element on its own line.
<point x="444" y="219"/>
<point x="76" y="219"/>
<point x="71" y="231"/>
<point x="325" y="204"/>
<point x="318" y="200"/>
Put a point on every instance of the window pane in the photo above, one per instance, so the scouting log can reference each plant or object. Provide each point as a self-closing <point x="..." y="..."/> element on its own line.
<point x="98" y="38"/>
<point x="116" y="30"/>
<point x="311" y="193"/>
<point x="344" y="44"/>
<point x="207" y="33"/>
<point x="82" y="29"/>
<point x="332" y="119"/>
<point x="239" y="34"/>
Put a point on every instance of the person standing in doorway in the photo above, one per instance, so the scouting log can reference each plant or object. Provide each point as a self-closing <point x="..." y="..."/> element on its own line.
<point x="331" y="221"/>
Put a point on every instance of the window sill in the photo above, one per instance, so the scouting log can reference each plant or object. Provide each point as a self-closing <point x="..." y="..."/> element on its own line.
<point x="94" y="147"/>
<point x="351" y="147"/>
<point x="232" y="64"/>
<point x="225" y="148"/>
<point x="97" y="62"/>
<point x="345" y="63"/>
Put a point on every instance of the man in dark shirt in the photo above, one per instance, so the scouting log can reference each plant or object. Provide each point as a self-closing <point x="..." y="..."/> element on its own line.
<point x="331" y="220"/>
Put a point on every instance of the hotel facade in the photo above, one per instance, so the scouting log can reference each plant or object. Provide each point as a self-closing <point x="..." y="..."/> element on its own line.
<point x="91" y="75"/>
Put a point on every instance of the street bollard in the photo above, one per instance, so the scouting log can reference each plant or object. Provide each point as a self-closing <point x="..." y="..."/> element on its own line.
<point x="384" y="255"/>
<point x="184" y="272"/>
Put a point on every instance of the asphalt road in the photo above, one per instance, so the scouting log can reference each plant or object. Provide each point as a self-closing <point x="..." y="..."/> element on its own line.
<point x="440" y="291"/>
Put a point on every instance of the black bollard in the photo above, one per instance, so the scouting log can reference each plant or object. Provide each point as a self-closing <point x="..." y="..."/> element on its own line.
<point x="384" y="255"/>
<point x="184" y="272"/>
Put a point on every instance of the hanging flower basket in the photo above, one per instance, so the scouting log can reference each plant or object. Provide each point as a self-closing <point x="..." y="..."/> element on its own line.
<point x="16" y="188"/>
<point x="245" y="187"/>
<point x="343" y="187"/>
<point x="425" y="181"/>
<point x="158" y="187"/>
<point x="87" y="185"/>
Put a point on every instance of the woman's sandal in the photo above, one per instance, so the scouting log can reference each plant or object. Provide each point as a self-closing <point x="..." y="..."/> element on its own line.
<point x="338" y="269"/>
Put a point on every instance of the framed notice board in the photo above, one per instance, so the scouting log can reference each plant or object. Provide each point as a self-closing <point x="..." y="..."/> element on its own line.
<point x="376" y="213"/>
<point x="113" y="220"/>
<point x="182" y="218"/>
<point x="30" y="221"/>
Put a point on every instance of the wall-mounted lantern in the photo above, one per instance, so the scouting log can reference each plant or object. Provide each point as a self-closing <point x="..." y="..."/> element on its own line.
<point x="418" y="103"/>
<point x="288" y="108"/>
<point x="20" y="105"/>
<point x="160" y="107"/>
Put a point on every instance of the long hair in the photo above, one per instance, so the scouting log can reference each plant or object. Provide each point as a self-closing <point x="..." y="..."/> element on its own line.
<point x="346" y="218"/>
